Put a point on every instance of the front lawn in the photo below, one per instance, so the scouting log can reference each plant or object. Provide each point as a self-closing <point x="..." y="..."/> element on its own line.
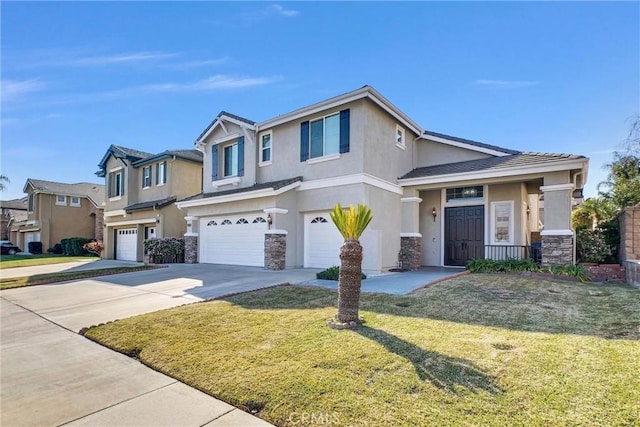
<point x="475" y="350"/>
<point x="12" y="261"/>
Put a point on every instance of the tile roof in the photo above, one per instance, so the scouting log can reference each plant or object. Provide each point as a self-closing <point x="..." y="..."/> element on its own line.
<point x="490" y="163"/>
<point x="191" y="155"/>
<point x="94" y="192"/>
<point x="17" y="204"/>
<point x="470" y="142"/>
<point x="275" y="185"/>
<point x="130" y="152"/>
<point x="150" y="204"/>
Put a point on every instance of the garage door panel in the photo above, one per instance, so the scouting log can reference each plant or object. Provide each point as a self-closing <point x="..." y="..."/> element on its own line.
<point x="235" y="240"/>
<point x="322" y="242"/>
<point x="126" y="244"/>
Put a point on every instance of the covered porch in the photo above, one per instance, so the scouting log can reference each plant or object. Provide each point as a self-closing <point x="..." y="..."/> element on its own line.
<point x="491" y="208"/>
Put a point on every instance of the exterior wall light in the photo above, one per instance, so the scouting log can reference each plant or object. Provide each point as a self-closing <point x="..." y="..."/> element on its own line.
<point x="434" y="212"/>
<point x="269" y="221"/>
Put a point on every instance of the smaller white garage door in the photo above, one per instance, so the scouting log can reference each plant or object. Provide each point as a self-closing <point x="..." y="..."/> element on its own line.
<point x="126" y="243"/>
<point x="233" y="239"/>
<point x="322" y="241"/>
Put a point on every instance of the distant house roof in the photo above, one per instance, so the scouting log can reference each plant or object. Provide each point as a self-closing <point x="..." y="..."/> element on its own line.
<point x="15" y="204"/>
<point x="94" y="192"/>
<point x="139" y="158"/>
<point x="274" y="185"/>
<point x="153" y="204"/>
<point x="426" y="134"/>
<point x="526" y="159"/>
<point x="190" y="155"/>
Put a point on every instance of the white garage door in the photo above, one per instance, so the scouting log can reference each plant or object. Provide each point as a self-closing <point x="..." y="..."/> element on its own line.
<point x="322" y="241"/>
<point x="235" y="240"/>
<point x="126" y="243"/>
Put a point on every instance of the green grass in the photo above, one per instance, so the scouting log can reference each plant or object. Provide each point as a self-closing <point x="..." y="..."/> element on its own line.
<point x="12" y="261"/>
<point x="43" y="279"/>
<point x="474" y="350"/>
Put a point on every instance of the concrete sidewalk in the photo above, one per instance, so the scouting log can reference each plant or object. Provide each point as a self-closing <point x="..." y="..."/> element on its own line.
<point x="89" y="264"/>
<point x="51" y="376"/>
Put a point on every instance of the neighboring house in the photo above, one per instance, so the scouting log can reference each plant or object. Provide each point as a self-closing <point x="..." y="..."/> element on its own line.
<point x="141" y="192"/>
<point x="11" y="211"/>
<point x="437" y="200"/>
<point x="57" y="211"/>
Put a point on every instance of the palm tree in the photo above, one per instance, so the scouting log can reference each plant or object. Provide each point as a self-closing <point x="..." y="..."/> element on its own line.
<point x="3" y="179"/>
<point x="351" y="224"/>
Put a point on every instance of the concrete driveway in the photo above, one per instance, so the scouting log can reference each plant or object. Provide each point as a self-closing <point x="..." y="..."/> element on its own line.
<point x="84" y="303"/>
<point x="52" y="376"/>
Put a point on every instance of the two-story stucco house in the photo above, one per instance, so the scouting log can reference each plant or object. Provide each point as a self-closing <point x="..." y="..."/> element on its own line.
<point x="437" y="200"/>
<point x="141" y="191"/>
<point x="57" y="210"/>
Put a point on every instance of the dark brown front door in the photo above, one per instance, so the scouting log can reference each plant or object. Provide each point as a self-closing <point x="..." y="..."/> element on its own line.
<point x="463" y="234"/>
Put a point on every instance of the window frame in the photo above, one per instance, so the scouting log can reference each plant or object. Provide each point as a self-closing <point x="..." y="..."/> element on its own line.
<point x="324" y="137"/>
<point x="400" y="137"/>
<point x="224" y="160"/>
<point x="146" y="169"/>
<point x="463" y="199"/>
<point x="31" y="203"/>
<point x="71" y="203"/>
<point x="116" y="184"/>
<point x="59" y="201"/>
<point x="161" y="173"/>
<point x="263" y="149"/>
<point x="510" y="223"/>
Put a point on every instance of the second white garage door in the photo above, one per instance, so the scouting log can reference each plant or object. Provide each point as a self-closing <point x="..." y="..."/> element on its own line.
<point x="235" y="240"/>
<point x="322" y="241"/>
<point x="126" y="243"/>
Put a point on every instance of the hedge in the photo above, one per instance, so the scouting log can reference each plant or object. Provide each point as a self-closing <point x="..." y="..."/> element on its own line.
<point x="74" y="246"/>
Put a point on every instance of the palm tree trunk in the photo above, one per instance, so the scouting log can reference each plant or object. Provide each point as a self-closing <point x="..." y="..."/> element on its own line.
<point x="350" y="280"/>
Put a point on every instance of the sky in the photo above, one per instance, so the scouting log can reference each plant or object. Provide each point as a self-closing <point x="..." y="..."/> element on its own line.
<point x="559" y="77"/>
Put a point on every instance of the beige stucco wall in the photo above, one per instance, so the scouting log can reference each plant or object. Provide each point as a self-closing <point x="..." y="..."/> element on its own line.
<point x="431" y="153"/>
<point x="431" y="230"/>
<point x="59" y="222"/>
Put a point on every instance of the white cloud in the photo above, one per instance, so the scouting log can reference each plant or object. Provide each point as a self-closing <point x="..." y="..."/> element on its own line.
<point x="506" y="83"/>
<point x="201" y="63"/>
<point x="121" y="58"/>
<point x="14" y="89"/>
<point x="280" y="10"/>
<point x="219" y="81"/>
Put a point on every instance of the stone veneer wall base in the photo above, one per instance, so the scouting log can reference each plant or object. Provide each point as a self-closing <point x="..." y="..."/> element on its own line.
<point x="557" y="250"/>
<point x="410" y="252"/>
<point x="275" y="251"/>
<point x="191" y="249"/>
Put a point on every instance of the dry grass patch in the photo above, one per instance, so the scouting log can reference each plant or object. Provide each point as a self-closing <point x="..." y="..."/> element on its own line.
<point x="475" y="350"/>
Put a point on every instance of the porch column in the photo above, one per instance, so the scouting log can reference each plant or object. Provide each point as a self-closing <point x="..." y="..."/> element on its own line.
<point x="557" y="237"/>
<point x="191" y="240"/>
<point x="410" y="238"/>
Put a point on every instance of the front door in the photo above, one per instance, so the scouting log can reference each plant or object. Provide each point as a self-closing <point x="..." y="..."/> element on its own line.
<point x="463" y="234"/>
<point x="149" y="233"/>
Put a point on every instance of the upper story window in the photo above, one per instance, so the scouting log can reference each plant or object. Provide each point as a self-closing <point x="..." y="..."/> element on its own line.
<point x="324" y="136"/>
<point x="265" y="148"/>
<point x="465" y="193"/>
<point x="31" y="202"/>
<point x="61" y="200"/>
<point x="146" y="177"/>
<point x="161" y="173"/>
<point x="75" y="201"/>
<point x="232" y="162"/>
<point x="116" y="183"/>
<point x="400" y="135"/>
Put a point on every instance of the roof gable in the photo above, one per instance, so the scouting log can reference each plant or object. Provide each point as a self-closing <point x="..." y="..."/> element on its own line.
<point x="188" y="155"/>
<point x="120" y="153"/>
